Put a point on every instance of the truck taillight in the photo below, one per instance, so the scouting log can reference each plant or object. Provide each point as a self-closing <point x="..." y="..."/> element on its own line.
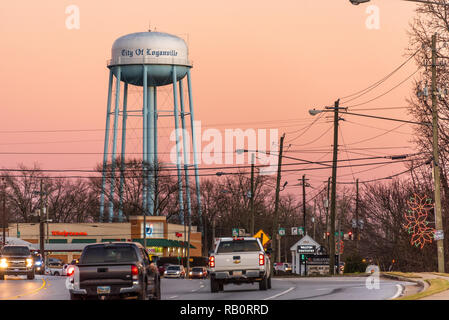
<point x="212" y="261"/>
<point x="70" y="271"/>
<point x="261" y="259"/>
<point x="134" y="270"/>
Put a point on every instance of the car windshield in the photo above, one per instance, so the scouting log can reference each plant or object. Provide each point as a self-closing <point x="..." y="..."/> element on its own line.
<point x="197" y="269"/>
<point x="238" y="246"/>
<point x="175" y="268"/>
<point x="16" y="251"/>
<point x="105" y="254"/>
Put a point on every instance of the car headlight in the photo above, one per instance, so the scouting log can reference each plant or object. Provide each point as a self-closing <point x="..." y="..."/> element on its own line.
<point x="29" y="263"/>
<point x="38" y="263"/>
<point x="3" y="263"/>
<point x="177" y="272"/>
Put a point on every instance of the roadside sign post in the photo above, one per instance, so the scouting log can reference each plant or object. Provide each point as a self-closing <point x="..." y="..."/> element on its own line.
<point x="262" y="236"/>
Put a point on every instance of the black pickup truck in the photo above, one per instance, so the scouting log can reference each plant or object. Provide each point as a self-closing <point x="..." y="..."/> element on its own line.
<point x="16" y="260"/>
<point x="114" y="270"/>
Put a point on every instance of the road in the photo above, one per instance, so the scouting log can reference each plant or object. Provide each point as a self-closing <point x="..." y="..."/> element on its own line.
<point x="339" y="288"/>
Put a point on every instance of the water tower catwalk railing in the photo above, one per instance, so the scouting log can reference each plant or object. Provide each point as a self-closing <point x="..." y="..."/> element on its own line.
<point x="149" y="114"/>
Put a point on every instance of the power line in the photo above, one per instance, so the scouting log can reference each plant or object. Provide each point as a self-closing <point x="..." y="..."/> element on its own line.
<point x="388" y="91"/>
<point x="376" y="84"/>
<point x="209" y="174"/>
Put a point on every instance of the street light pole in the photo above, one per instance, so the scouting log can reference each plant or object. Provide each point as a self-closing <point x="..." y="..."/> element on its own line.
<point x="41" y="225"/>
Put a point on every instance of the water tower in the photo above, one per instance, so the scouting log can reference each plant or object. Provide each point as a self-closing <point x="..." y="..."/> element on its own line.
<point x="147" y="60"/>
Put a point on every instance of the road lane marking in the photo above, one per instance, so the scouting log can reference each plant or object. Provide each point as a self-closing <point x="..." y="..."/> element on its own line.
<point x="398" y="292"/>
<point x="280" y="294"/>
<point x="173" y="297"/>
<point x="27" y="293"/>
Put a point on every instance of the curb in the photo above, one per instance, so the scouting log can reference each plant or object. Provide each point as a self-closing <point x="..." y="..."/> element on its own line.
<point x="423" y="284"/>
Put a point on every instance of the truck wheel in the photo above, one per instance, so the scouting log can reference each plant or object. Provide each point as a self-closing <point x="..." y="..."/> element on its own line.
<point x="214" y="285"/>
<point x="157" y="290"/>
<point x="30" y="276"/>
<point x="143" y="293"/>
<point x="75" y="296"/>
<point x="263" y="284"/>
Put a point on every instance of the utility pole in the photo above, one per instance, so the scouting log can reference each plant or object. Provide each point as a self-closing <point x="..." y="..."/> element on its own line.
<point x="313" y="217"/>
<point x="4" y="211"/>
<point x="334" y="191"/>
<point x="357" y="234"/>
<point x="276" y="202"/>
<point x="304" y="201"/>
<point x="436" y="163"/>
<point x="279" y="244"/>
<point x="327" y="214"/>
<point x="41" y="226"/>
<point x="251" y="228"/>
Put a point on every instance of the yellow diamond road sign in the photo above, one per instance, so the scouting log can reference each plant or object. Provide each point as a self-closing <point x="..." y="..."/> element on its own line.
<point x="263" y="236"/>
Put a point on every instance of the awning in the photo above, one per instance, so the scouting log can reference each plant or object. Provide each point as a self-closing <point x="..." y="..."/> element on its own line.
<point x="166" y="243"/>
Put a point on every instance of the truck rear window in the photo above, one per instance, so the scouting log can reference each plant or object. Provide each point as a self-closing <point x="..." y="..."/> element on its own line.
<point x="238" y="246"/>
<point x="16" y="251"/>
<point x="108" y="254"/>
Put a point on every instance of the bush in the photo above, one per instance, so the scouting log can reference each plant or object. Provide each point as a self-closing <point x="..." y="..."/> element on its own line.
<point x="355" y="264"/>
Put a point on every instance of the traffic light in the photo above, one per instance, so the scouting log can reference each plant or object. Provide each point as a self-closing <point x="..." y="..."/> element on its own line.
<point x="351" y="236"/>
<point x="303" y="257"/>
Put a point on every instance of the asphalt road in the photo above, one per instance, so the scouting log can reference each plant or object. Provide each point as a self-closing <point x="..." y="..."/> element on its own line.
<point x="325" y="288"/>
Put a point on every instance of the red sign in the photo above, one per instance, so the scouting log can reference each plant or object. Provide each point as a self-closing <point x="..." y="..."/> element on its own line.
<point x="178" y="234"/>
<point x="67" y="233"/>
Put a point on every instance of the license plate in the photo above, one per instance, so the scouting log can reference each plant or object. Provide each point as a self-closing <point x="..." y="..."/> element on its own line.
<point x="103" y="290"/>
<point x="237" y="273"/>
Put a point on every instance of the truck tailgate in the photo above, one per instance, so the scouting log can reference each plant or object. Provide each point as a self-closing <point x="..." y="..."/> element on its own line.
<point x="112" y="274"/>
<point x="237" y="261"/>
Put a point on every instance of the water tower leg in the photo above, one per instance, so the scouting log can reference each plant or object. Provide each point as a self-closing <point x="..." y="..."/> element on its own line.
<point x="156" y="158"/>
<point x="144" y="143"/>
<point x="195" y="154"/>
<point x="114" y="142"/>
<point x="178" y="157"/>
<point x="150" y="148"/>
<point x="186" y="168"/>
<point x="122" y="158"/>
<point x="106" y="145"/>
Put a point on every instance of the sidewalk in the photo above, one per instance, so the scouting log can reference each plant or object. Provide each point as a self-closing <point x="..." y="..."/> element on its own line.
<point x="421" y="277"/>
<point x="438" y="296"/>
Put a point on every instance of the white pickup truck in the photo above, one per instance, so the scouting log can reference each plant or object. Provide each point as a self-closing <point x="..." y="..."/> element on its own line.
<point x="239" y="260"/>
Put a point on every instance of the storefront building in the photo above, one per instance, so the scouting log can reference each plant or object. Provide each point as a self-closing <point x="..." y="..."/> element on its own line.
<point x="66" y="240"/>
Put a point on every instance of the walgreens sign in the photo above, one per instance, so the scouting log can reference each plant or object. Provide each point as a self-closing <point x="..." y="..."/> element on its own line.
<point x="67" y="233"/>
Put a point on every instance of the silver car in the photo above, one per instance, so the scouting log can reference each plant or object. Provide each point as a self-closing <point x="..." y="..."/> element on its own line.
<point x="175" y="271"/>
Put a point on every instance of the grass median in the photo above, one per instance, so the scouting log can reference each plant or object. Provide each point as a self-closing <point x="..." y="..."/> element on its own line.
<point x="435" y="286"/>
<point x="403" y="274"/>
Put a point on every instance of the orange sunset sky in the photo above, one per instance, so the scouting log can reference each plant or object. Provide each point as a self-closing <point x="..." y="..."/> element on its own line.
<point x="256" y="64"/>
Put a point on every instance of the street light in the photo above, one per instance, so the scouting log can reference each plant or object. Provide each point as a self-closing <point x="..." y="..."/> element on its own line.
<point x="357" y="2"/>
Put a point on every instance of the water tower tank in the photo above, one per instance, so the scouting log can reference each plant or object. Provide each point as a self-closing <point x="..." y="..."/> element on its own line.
<point x="157" y="50"/>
